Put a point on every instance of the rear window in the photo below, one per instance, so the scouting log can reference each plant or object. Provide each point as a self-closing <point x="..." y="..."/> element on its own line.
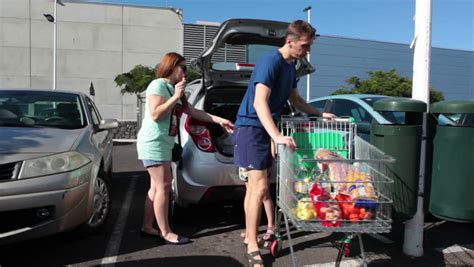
<point x="239" y="57"/>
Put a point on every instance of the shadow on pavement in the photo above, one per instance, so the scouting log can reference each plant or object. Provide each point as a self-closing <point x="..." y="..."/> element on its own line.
<point x="183" y="261"/>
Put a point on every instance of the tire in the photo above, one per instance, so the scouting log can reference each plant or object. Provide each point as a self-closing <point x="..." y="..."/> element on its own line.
<point x="101" y="207"/>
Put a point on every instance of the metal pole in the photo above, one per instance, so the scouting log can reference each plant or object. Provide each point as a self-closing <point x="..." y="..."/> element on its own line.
<point x="308" y="77"/>
<point x="413" y="240"/>
<point x="54" y="43"/>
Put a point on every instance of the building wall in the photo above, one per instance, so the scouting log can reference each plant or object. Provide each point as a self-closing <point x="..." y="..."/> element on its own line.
<point x="338" y="58"/>
<point x="95" y="43"/>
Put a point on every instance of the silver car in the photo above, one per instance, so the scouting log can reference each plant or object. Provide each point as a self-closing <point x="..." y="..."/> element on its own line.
<point x="55" y="164"/>
<point x="207" y="172"/>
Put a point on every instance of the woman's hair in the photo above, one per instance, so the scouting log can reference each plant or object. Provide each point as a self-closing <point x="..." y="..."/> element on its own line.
<point x="298" y="28"/>
<point x="167" y="64"/>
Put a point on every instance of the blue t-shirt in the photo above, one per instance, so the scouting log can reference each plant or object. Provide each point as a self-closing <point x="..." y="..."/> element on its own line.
<point x="280" y="76"/>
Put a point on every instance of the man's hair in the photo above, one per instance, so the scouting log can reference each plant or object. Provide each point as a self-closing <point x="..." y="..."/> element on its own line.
<point x="167" y="64"/>
<point x="298" y="28"/>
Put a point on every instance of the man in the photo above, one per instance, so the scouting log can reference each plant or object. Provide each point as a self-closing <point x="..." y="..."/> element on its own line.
<point x="272" y="83"/>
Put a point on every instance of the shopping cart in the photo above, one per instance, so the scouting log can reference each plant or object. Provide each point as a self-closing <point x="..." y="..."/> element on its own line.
<point x="334" y="182"/>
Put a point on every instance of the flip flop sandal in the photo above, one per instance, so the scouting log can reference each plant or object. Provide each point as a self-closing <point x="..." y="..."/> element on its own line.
<point x="252" y="260"/>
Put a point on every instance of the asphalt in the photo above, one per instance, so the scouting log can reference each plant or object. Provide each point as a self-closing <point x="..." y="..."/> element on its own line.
<point x="215" y="231"/>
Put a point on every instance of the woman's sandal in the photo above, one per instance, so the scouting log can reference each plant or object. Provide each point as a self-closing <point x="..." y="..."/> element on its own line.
<point x="252" y="260"/>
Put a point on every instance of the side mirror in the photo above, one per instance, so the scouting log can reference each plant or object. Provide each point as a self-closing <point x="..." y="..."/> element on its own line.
<point x="107" y="124"/>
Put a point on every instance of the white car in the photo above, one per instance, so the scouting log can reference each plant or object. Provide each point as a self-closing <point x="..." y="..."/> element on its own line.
<point x="55" y="164"/>
<point x="207" y="172"/>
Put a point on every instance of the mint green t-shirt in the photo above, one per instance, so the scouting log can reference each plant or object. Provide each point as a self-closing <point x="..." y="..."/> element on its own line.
<point x="153" y="140"/>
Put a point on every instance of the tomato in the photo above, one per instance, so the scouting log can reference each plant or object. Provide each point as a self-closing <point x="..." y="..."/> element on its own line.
<point x="354" y="218"/>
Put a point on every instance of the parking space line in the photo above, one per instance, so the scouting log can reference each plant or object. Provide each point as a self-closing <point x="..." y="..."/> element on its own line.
<point x="113" y="247"/>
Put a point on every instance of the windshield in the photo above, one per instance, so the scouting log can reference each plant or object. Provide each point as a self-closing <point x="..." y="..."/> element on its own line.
<point x="41" y="109"/>
<point x="392" y="116"/>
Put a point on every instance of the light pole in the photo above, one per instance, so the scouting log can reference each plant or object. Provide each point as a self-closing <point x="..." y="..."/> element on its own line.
<point x="53" y="19"/>
<point x="308" y="10"/>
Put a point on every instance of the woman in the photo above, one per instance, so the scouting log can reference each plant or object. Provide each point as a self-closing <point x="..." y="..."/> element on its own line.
<point x="156" y="139"/>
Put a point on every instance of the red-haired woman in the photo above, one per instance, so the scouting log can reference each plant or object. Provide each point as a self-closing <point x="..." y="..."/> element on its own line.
<point x="156" y="139"/>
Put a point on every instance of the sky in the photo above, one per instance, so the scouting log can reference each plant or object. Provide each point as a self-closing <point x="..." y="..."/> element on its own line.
<point x="380" y="20"/>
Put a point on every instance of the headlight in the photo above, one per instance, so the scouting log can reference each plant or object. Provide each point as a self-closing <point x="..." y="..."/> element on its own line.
<point x="53" y="164"/>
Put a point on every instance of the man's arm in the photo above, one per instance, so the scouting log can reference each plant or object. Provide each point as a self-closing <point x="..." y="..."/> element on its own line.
<point x="298" y="102"/>
<point x="262" y="96"/>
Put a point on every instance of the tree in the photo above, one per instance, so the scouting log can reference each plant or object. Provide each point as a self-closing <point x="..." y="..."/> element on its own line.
<point x="136" y="80"/>
<point x="388" y="83"/>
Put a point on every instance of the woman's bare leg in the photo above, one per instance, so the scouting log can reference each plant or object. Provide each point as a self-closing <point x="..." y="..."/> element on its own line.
<point x="161" y="175"/>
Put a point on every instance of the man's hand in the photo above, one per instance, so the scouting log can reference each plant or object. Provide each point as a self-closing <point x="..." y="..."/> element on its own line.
<point x="327" y="115"/>
<point x="286" y="140"/>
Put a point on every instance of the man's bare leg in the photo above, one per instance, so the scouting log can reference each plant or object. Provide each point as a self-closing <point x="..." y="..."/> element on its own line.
<point x="258" y="188"/>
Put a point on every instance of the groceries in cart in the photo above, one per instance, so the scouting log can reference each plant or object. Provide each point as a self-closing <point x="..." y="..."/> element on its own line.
<point x="339" y="190"/>
<point x="305" y="209"/>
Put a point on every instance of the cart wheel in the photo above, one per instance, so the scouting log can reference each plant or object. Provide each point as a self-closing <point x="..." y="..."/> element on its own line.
<point x="275" y="248"/>
<point x="347" y="250"/>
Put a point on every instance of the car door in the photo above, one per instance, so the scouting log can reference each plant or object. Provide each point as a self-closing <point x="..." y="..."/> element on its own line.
<point x="362" y="117"/>
<point x="102" y="139"/>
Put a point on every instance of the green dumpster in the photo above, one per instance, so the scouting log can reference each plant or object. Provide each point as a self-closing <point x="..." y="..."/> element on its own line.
<point x="402" y="141"/>
<point x="452" y="184"/>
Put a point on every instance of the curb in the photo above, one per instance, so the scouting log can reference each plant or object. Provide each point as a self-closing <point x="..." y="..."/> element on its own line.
<point x="124" y="140"/>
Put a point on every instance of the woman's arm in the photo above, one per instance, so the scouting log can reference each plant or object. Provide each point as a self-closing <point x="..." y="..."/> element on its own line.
<point x="159" y="108"/>
<point x="204" y="116"/>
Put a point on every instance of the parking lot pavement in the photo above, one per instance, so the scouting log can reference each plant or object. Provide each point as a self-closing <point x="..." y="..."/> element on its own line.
<point x="215" y="231"/>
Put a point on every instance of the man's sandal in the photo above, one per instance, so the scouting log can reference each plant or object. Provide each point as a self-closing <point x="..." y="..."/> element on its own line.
<point x="252" y="260"/>
<point x="266" y="241"/>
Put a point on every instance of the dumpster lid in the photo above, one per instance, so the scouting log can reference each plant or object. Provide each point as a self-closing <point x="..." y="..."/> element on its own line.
<point x="453" y="106"/>
<point x="403" y="104"/>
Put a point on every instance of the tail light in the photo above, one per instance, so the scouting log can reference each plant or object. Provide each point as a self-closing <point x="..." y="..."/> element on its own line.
<point x="244" y="66"/>
<point x="200" y="134"/>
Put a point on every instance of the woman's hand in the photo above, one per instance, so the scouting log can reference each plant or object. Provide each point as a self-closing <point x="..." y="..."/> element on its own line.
<point x="227" y="125"/>
<point x="179" y="89"/>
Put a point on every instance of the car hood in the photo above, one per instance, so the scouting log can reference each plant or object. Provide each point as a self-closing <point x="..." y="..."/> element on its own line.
<point x="37" y="140"/>
<point x="244" y="32"/>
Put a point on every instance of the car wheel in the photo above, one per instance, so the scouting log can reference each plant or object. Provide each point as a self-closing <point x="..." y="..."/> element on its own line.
<point x="101" y="206"/>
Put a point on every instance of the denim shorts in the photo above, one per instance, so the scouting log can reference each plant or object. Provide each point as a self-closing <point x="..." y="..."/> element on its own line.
<point x="252" y="148"/>
<point x="151" y="163"/>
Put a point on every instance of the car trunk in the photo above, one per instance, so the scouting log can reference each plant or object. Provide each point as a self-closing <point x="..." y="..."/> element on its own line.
<point x="225" y="103"/>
